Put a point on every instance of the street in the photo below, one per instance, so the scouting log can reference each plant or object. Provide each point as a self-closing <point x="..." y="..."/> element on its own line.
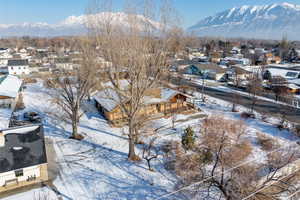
<point x="261" y="106"/>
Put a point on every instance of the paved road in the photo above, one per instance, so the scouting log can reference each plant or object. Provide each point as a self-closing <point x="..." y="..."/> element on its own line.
<point x="262" y="106"/>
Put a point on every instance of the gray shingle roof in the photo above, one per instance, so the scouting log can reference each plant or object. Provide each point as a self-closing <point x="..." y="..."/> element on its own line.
<point x="17" y="62"/>
<point x="24" y="147"/>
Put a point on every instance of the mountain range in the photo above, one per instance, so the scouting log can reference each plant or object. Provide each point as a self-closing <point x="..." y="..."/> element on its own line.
<point x="264" y="22"/>
<point x="73" y="25"/>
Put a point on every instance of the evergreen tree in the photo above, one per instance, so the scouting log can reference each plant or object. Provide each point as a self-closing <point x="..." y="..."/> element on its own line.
<point x="188" y="138"/>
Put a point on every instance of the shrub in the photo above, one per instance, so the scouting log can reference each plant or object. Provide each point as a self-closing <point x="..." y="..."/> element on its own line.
<point x="265" y="117"/>
<point x="29" y="80"/>
<point x="266" y="143"/>
<point x="188" y="138"/>
<point x="247" y="115"/>
<point x="296" y="129"/>
<point x="237" y="152"/>
<point x="205" y="156"/>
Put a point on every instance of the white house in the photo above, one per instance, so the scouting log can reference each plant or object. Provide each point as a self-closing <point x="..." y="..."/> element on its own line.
<point x="23" y="159"/>
<point x="18" y="67"/>
<point x="64" y="63"/>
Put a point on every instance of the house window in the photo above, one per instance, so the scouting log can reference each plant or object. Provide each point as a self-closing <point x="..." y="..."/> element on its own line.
<point x="19" y="173"/>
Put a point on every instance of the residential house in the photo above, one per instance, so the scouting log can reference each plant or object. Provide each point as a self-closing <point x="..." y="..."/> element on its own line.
<point x="237" y="72"/>
<point x="270" y="58"/>
<point x="209" y="71"/>
<point x="63" y="63"/>
<point x="216" y="56"/>
<point x="18" y="67"/>
<point x="23" y="159"/>
<point x="236" y="60"/>
<point x="156" y="103"/>
<point x="10" y="86"/>
<point x="285" y="72"/>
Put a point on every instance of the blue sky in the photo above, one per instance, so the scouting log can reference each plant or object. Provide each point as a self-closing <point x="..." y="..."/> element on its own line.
<point x="54" y="11"/>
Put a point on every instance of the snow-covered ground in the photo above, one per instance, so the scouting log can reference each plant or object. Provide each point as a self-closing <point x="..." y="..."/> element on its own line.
<point x="97" y="167"/>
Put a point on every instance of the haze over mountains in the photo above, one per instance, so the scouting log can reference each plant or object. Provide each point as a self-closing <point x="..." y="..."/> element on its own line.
<point x="265" y="22"/>
<point x="73" y="25"/>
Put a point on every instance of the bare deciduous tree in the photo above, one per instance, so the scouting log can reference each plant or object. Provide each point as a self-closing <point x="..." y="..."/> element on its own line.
<point x="71" y="88"/>
<point x="219" y="164"/>
<point x="138" y="47"/>
<point x="254" y="88"/>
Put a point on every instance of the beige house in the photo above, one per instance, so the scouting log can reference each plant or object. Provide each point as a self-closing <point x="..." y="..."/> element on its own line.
<point x="23" y="158"/>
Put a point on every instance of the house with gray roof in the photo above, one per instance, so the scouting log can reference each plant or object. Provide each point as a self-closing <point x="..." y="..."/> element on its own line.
<point x="18" y="67"/>
<point x="23" y="159"/>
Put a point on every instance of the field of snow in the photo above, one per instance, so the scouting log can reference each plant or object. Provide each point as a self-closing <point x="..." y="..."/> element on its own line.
<point x="97" y="167"/>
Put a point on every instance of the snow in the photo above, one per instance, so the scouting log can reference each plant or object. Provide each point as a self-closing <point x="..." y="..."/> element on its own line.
<point x="10" y="86"/>
<point x="97" y="167"/>
<point x="283" y="72"/>
<point x="21" y="130"/>
<point x="108" y="98"/>
<point x="5" y="115"/>
<point x="230" y="12"/>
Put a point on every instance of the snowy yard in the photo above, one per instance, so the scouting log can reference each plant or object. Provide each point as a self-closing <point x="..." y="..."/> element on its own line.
<point x="97" y="167"/>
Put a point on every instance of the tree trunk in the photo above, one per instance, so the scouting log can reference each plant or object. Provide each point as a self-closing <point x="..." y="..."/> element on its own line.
<point x="74" y="129"/>
<point x="131" y="140"/>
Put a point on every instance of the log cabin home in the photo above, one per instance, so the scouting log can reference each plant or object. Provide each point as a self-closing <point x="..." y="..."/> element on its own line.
<point x="157" y="103"/>
<point x="23" y="160"/>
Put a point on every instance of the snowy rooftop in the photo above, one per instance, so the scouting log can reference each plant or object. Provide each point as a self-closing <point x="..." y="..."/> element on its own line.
<point x="286" y="73"/>
<point x="10" y="86"/>
<point x="109" y="98"/>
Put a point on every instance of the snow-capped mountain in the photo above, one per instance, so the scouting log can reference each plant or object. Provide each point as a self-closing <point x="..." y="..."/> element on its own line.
<point x="73" y="25"/>
<point x="265" y="22"/>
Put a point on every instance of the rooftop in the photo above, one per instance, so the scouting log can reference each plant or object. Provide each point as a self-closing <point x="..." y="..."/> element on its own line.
<point x="10" y="86"/>
<point x="17" y="62"/>
<point x="23" y="147"/>
<point x="109" y="99"/>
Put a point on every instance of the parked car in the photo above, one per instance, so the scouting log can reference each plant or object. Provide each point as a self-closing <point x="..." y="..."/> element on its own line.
<point x="32" y="117"/>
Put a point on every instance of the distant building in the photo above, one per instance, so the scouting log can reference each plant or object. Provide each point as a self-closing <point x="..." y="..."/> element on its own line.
<point x="10" y="86"/>
<point x="209" y="71"/>
<point x="236" y="61"/>
<point x="63" y="63"/>
<point x="23" y="159"/>
<point x="18" y="67"/>
<point x="284" y="72"/>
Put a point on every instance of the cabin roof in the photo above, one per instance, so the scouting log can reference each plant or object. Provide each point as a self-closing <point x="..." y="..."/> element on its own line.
<point x="109" y="99"/>
<point x="24" y="147"/>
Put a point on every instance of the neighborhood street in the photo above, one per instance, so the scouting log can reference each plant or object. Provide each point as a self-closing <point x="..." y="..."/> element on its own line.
<point x="262" y="106"/>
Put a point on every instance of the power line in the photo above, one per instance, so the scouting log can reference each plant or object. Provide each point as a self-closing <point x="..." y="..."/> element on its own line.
<point x="275" y="181"/>
<point x="225" y="172"/>
<point x="292" y="195"/>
